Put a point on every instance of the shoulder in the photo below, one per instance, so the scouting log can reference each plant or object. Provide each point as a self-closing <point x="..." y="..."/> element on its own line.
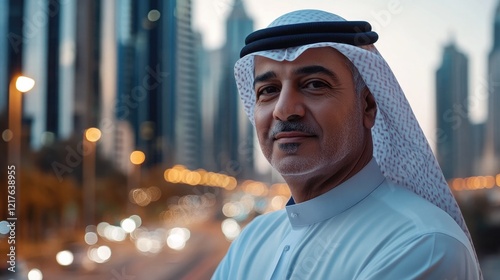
<point x="418" y="236"/>
<point x="405" y="208"/>
<point x="426" y="256"/>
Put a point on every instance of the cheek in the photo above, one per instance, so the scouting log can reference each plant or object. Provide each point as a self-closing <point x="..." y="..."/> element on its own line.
<point x="263" y="122"/>
<point x="262" y="118"/>
<point x="262" y="132"/>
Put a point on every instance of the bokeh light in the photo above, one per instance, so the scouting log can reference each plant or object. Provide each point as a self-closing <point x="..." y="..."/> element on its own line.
<point x="137" y="220"/>
<point x="230" y="228"/>
<point x="154" y="193"/>
<point x="24" y="84"/>
<point x="278" y="202"/>
<point x="64" y="258"/>
<point x="137" y="157"/>
<point x="114" y="233"/>
<point x="90" y="238"/>
<point x="7" y="135"/>
<point x="92" y="134"/>
<point x="177" y="238"/>
<point x="104" y="253"/>
<point x="101" y="227"/>
<point x="35" y="274"/>
<point x="143" y="244"/>
<point x="4" y="227"/>
<point x="154" y="15"/>
<point x="100" y="254"/>
<point x="128" y="225"/>
<point x="179" y="174"/>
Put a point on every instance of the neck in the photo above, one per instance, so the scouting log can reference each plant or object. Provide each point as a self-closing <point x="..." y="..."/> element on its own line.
<point x="304" y="187"/>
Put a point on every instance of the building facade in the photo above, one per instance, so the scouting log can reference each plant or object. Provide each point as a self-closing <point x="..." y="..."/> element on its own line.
<point x="492" y="144"/>
<point x="452" y="115"/>
<point x="233" y="131"/>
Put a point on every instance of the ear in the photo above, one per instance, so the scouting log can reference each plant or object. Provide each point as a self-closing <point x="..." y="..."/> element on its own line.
<point x="369" y="107"/>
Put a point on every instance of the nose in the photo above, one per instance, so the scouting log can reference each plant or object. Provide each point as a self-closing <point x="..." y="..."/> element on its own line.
<point x="290" y="105"/>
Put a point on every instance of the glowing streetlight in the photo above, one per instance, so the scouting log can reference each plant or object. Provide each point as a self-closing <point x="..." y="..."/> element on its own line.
<point x="134" y="177"/>
<point x="90" y="137"/>
<point x="137" y="157"/>
<point x="93" y="134"/>
<point x="24" y="84"/>
<point x="17" y="86"/>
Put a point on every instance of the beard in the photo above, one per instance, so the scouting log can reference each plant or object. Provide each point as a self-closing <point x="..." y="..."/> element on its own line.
<point x="333" y="151"/>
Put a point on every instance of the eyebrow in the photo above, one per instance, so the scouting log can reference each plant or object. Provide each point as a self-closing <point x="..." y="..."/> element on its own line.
<point x="317" y="69"/>
<point x="307" y="70"/>
<point x="264" y="77"/>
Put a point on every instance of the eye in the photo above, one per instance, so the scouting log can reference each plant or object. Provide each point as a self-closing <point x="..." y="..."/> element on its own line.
<point x="267" y="91"/>
<point x="316" y="84"/>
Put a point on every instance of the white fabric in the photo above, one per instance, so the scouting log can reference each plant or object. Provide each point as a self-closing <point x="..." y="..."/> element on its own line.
<point x="379" y="231"/>
<point x="400" y="146"/>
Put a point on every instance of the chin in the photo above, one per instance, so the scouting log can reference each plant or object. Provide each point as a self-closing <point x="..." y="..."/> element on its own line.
<point x="293" y="167"/>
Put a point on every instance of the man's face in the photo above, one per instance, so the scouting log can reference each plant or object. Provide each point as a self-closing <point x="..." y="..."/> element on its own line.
<point x="308" y="118"/>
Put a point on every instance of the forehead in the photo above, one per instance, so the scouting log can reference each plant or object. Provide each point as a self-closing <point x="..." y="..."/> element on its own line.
<point x="325" y="56"/>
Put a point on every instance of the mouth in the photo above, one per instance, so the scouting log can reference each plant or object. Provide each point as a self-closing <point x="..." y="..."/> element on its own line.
<point x="291" y="137"/>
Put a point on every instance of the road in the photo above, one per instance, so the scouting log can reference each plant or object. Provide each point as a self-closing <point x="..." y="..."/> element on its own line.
<point x="197" y="260"/>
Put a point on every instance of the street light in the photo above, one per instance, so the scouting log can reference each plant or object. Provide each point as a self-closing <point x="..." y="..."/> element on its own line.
<point x="134" y="177"/>
<point x="18" y="85"/>
<point x="24" y="84"/>
<point x="137" y="157"/>
<point x="93" y="134"/>
<point x="90" y="137"/>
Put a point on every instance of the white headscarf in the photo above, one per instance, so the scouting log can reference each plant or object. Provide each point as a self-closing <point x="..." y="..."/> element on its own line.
<point x="400" y="147"/>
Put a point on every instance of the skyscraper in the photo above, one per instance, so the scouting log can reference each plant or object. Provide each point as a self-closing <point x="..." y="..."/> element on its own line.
<point x="11" y="56"/>
<point x="157" y="83"/>
<point x="189" y="129"/>
<point x="452" y="118"/>
<point x="167" y="104"/>
<point x="492" y="144"/>
<point x="233" y="132"/>
<point x="88" y="56"/>
<point x="53" y="72"/>
<point x="13" y="49"/>
<point x="67" y="64"/>
<point x="4" y="44"/>
<point x="211" y="75"/>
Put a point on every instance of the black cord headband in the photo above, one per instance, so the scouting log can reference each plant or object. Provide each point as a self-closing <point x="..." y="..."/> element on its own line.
<point x="357" y="33"/>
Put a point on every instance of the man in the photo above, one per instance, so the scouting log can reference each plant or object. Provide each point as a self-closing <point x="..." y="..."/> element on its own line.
<point x="368" y="198"/>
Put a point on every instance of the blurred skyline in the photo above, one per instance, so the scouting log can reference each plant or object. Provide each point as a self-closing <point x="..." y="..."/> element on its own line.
<point x="175" y="154"/>
<point x="412" y="36"/>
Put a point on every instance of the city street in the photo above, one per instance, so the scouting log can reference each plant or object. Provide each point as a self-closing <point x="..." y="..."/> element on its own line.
<point x="130" y="149"/>
<point x="197" y="260"/>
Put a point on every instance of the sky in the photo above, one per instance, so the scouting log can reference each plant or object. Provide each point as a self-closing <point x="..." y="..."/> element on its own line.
<point x="412" y="35"/>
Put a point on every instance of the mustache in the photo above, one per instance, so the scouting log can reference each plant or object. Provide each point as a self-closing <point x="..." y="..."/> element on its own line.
<point x="290" y="126"/>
